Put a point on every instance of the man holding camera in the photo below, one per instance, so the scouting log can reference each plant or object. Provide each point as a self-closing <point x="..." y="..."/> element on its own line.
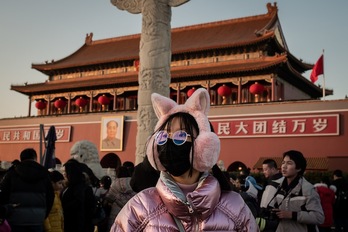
<point x="296" y="203"/>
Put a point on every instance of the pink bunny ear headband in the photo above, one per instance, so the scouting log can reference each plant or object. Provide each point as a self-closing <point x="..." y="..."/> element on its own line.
<point x="207" y="144"/>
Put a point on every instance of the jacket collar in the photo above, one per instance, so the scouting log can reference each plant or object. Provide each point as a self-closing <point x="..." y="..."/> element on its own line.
<point x="199" y="203"/>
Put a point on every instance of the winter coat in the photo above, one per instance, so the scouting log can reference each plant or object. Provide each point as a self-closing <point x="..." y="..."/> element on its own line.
<point x="207" y="208"/>
<point x="29" y="186"/>
<point x="55" y="221"/>
<point x="119" y="194"/>
<point x="270" y="190"/>
<point x="340" y="208"/>
<point x="304" y="201"/>
<point x="327" y="199"/>
<point x="78" y="204"/>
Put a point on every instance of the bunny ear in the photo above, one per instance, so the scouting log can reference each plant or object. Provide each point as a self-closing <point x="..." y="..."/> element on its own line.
<point x="199" y="101"/>
<point x="162" y="105"/>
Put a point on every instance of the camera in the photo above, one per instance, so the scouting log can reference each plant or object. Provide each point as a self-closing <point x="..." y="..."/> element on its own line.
<point x="268" y="220"/>
<point x="269" y="214"/>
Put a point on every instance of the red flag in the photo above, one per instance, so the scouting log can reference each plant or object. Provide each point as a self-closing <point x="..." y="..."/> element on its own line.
<point x="318" y="69"/>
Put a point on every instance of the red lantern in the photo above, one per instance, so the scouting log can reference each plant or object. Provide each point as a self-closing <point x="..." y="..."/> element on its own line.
<point x="81" y="102"/>
<point x="256" y="88"/>
<point x="224" y="91"/>
<point x="191" y="91"/>
<point x="60" y="104"/>
<point x="104" y="100"/>
<point x="40" y="105"/>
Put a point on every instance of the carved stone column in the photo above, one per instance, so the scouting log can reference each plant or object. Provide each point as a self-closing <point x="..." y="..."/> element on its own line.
<point x="155" y="59"/>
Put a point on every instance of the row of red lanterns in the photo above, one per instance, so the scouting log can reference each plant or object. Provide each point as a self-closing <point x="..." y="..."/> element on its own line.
<point x="225" y="91"/>
<point x="80" y="102"/>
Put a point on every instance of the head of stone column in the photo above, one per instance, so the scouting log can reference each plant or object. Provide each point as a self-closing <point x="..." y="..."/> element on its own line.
<point x="174" y="3"/>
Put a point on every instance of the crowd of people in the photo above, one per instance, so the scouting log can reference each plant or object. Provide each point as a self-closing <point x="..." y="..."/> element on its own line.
<point x="179" y="186"/>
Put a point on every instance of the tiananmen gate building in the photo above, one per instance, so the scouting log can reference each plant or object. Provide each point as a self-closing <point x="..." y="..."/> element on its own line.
<point x="261" y="104"/>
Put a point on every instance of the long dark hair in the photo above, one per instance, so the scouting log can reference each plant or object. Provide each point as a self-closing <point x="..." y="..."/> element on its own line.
<point x="225" y="184"/>
<point x="74" y="172"/>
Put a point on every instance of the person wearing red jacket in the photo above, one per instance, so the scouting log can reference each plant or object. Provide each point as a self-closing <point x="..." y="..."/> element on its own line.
<point x="327" y="199"/>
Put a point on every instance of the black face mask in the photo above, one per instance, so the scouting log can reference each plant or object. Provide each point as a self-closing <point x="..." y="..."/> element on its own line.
<point x="175" y="159"/>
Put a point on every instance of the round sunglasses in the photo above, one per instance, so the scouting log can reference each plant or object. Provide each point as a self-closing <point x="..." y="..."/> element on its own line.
<point x="179" y="137"/>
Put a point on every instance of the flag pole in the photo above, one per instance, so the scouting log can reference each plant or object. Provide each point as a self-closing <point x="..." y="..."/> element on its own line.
<point x="42" y="136"/>
<point x="323" y="76"/>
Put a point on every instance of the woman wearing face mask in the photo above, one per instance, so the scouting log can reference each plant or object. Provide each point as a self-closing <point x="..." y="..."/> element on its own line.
<point x="186" y="197"/>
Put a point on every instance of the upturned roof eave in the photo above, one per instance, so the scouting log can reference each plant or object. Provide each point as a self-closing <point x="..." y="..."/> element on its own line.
<point x="58" y="65"/>
<point x="176" y="73"/>
<point x="304" y="84"/>
<point x="47" y="69"/>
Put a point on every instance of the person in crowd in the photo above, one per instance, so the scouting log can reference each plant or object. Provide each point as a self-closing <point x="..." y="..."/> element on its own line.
<point x="4" y="170"/>
<point x="249" y="190"/>
<point x="273" y="178"/>
<point x="119" y="194"/>
<point x="235" y="181"/>
<point x="14" y="164"/>
<point x="111" y="162"/>
<point x="90" y="178"/>
<point x="250" y="194"/>
<point x="77" y="198"/>
<point x="144" y="176"/>
<point x="327" y="199"/>
<point x="104" y="186"/>
<point x="340" y="211"/>
<point x="2" y="173"/>
<point x="252" y="187"/>
<point x="27" y="186"/>
<point x="55" y="220"/>
<point x="297" y="203"/>
<point x="270" y="169"/>
<point x="130" y="167"/>
<point x="100" y="193"/>
<point x="221" y="165"/>
<point x="5" y="210"/>
<point x="187" y="197"/>
<point x="87" y="152"/>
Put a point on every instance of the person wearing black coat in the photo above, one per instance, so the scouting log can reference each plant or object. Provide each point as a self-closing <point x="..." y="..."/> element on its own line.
<point x="27" y="186"/>
<point x="77" y="199"/>
<point x="340" y="213"/>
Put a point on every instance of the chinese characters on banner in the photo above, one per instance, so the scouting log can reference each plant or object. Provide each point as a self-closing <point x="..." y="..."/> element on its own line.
<point x="280" y="126"/>
<point x="31" y="134"/>
<point x="272" y="126"/>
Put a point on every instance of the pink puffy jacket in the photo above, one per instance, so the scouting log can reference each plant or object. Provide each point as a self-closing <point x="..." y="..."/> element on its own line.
<point x="205" y="209"/>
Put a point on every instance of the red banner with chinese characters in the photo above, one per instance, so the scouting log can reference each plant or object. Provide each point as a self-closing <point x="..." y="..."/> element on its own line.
<point x="32" y="134"/>
<point x="278" y="126"/>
